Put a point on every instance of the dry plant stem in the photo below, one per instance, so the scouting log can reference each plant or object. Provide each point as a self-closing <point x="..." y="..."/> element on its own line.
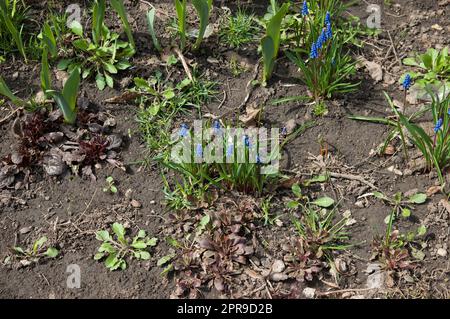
<point x="249" y="87"/>
<point x="395" y="50"/>
<point x="353" y="177"/>
<point x="10" y="115"/>
<point x="185" y="65"/>
<point x="343" y="291"/>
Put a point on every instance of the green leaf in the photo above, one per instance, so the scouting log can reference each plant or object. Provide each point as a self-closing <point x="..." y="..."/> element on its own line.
<point x="144" y="255"/>
<point x="113" y="189"/>
<point x="99" y="256"/>
<point x="165" y="259"/>
<point x="102" y="235"/>
<point x="12" y="29"/>
<point x="39" y="243"/>
<point x="139" y="245"/>
<point x="169" y="94"/>
<point x="419" y="198"/>
<point x="107" y="247"/>
<point x="202" y="8"/>
<point x="324" y="202"/>
<point x="151" y="23"/>
<point x="98" y="16"/>
<point x="4" y="90"/>
<point x="180" y="6"/>
<point x="76" y="28"/>
<point x="292" y="204"/>
<point x="63" y="64"/>
<point x="119" y="7"/>
<point x="406" y="213"/>
<point x="19" y="250"/>
<point x="379" y="195"/>
<point x="51" y="252"/>
<point x="297" y="190"/>
<point x="109" y="80"/>
<point x="100" y="80"/>
<point x="49" y="40"/>
<point x="422" y="230"/>
<point x="417" y="254"/>
<point x="141" y="234"/>
<point x="119" y="230"/>
<point x="152" y="242"/>
<point x="110" y="68"/>
<point x="268" y="51"/>
<point x="46" y="82"/>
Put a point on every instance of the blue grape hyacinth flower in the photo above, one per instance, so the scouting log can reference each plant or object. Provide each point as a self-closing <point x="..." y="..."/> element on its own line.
<point x="305" y="10"/>
<point x="438" y="125"/>
<point x="230" y="150"/>
<point x="314" y="54"/>
<point x="247" y="141"/>
<point x="328" y="18"/>
<point x="321" y="40"/>
<point x="217" y="127"/>
<point x="258" y="159"/>
<point x="199" y="150"/>
<point x="329" y="32"/>
<point x="184" y="130"/>
<point x="407" y="82"/>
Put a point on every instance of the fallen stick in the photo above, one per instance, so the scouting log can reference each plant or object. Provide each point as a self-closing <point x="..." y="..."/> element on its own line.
<point x="185" y="65"/>
<point x="354" y="178"/>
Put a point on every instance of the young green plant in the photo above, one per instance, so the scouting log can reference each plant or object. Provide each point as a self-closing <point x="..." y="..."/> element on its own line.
<point x="270" y="43"/>
<point x="117" y="247"/>
<point x="36" y="252"/>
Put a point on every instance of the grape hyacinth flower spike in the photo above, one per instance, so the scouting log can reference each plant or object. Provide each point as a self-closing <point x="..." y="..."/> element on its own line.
<point x="329" y="32"/>
<point x="184" y="130"/>
<point x="314" y="54"/>
<point x="328" y="18"/>
<point x="438" y="125"/>
<point x="305" y="10"/>
<point x="407" y="82"/>
<point x="199" y="150"/>
<point x="217" y="127"/>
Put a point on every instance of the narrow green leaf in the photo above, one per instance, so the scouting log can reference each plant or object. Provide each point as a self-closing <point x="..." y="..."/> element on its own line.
<point x="151" y="29"/>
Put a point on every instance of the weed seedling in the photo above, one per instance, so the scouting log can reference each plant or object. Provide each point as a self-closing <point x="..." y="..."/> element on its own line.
<point x="395" y="249"/>
<point x="110" y="186"/>
<point x="36" y="252"/>
<point x="401" y="207"/>
<point x="238" y="30"/>
<point x="117" y="247"/>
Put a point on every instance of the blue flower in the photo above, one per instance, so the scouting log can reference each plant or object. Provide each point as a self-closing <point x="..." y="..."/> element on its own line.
<point x="314" y="54"/>
<point x="448" y="112"/>
<point x="328" y="18"/>
<point x="247" y="141"/>
<point x="321" y="40"/>
<point x="284" y="130"/>
<point x="199" y="150"/>
<point x="217" y="127"/>
<point x="230" y="150"/>
<point x="329" y="32"/>
<point x="184" y="130"/>
<point x="305" y="10"/>
<point x="438" y="125"/>
<point x="258" y="159"/>
<point x="407" y="82"/>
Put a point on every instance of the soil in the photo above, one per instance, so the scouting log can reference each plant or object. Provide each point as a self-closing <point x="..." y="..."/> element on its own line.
<point x="70" y="209"/>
